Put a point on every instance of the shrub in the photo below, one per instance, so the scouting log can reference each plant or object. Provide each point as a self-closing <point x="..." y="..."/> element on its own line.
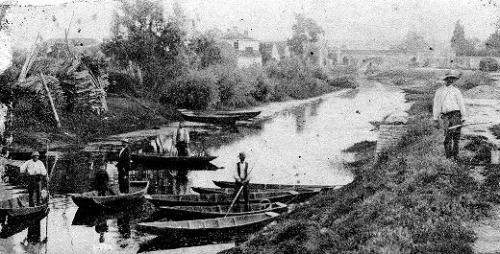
<point x="196" y="89"/>
<point x="472" y="80"/>
<point x="488" y="64"/>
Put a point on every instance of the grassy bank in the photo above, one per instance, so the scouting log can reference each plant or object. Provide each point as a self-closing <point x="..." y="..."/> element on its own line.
<point x="412" y="200"/>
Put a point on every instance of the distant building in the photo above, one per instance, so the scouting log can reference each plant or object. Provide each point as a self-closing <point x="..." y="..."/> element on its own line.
<point x="246" y="47"/>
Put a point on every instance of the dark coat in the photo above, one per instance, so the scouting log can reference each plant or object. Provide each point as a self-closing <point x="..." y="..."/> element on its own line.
<point x="124" y="159"/>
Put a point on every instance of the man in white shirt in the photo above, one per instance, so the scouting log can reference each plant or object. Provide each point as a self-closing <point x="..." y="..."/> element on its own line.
<point x="36" y="172"/>
<point x="182" y="141"/>
<point x="449" y="105"/>
<point x="242" y="178"/>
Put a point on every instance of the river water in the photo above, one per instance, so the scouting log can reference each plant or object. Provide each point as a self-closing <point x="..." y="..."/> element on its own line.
<point x="301" y="144"/>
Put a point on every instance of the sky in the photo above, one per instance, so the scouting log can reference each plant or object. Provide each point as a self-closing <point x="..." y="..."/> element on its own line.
<point x="357" y="23"/>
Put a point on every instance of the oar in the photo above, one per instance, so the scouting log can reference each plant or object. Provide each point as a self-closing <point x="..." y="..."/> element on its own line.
<point x="234" y="201"/>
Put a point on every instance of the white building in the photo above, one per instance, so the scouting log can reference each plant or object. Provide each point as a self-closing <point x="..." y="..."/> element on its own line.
<point x="246" y="47"/>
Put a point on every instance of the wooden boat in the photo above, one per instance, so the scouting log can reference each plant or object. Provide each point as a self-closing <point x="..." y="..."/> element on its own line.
<point x="203" y="190"/>
<point x="18" y="207"/>
<point x="15" y="225"/>
<point x="206" y="212"/>
<point x="218" y="117"/>
<point x="227" y="225"/>
<point x="159" y="159"/>
<point x="138" y="190"/>
<point x="227" y="184"/>
<point x="283" y="196"/>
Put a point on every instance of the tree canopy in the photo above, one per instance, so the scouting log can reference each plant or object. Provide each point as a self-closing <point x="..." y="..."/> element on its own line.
<point x="304" y="30"/>
<point x="142" y="36"/>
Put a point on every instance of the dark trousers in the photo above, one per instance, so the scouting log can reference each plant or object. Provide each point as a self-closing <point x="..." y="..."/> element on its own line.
<point x="451" y="136"/>
<point x="123" y="182"/>
<point x="182" y="148"/>
<point x="34" y="189"/>
<point x="244" y="194"/>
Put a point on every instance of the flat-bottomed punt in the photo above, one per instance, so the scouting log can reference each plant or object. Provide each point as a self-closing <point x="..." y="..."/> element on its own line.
<point x="204" y="190"/>
<point x="206" y="212"/>
<point x="227" y="225"/>
<point x="285" y="196"/>
<point x="232" y="185"/>
<point x="218" y="117"/>
<point x="170" y="161"/>
<point x="18" y="207"/>
<point x="138" y="190"/>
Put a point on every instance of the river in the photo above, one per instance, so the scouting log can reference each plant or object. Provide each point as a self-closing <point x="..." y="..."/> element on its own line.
<point x="301" y="144"/>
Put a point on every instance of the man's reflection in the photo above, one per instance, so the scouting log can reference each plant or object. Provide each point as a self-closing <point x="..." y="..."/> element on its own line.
<point x="124" y="225"/>
<point x="101" y="227"/>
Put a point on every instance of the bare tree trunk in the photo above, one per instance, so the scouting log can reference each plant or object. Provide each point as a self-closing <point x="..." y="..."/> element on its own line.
<point x="51" y="101"/>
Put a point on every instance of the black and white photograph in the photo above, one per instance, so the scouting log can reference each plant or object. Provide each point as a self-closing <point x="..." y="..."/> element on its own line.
<point x="249" y="126"/>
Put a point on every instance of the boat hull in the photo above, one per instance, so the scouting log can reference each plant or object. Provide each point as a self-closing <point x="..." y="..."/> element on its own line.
<point x="207" y="212"/>
<point x="89" y="200"/>
<point x="227" y="184"/>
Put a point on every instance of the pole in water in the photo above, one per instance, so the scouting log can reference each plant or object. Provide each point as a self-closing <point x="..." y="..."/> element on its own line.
<point x="234" y="201"/>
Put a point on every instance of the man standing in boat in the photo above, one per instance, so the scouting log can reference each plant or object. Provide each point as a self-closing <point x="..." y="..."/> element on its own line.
<point x="36" y="172"/>
<point x="242" y="178"/>
<point x="449" y="105"/>
<point x="124" y="165"/>
<point x="182" y="141"/>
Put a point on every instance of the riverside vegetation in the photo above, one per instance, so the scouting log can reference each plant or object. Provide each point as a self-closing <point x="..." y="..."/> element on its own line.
<point x="147" y="83"/>
<point x="411" y="200"/>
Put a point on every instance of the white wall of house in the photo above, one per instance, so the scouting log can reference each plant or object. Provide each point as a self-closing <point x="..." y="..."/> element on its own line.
<point x="275" y="53"/>
<point x="244" y="44"/>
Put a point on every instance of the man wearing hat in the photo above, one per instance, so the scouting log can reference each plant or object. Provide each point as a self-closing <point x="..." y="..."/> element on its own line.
<point x="449" y="105"/>
<point x="124" y="165"/>
<point x="36" y="172"/>
<point x="242" y="179"/>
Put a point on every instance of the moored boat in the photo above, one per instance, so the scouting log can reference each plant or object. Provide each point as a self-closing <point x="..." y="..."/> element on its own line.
<point x="226" y="225"/>
<point x="166" y="160"/>
<point x="217" y="117"/>
<point x="138" y="190"/>
<point x="284" y="196"/>
<point x="18" y="207"/>
<point x="205" y="212"/>
<point x="232" y="185"/>
<point x="203" y="190"/>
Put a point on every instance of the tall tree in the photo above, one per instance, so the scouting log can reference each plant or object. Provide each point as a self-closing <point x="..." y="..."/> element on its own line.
<point x="304" y="30"/>
<point x="142" y="37"/>
<point x="493" y="41"/>
<point x="459" y="43"/>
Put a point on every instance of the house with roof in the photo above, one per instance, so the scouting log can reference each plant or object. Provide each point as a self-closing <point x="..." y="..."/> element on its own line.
<point x="246" y="47"/>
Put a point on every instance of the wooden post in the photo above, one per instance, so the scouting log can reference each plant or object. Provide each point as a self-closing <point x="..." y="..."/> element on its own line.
<point x="51" y="101"/>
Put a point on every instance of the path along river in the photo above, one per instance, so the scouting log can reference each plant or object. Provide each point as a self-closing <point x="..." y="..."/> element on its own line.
<point x="302" y="144"/>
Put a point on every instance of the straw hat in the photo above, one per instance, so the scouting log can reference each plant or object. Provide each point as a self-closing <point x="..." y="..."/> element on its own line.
<point x="452" y="75"/>
<point x="35" y="153"/>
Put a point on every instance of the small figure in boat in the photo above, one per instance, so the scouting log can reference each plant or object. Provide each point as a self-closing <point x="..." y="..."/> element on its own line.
<point x="124" y="165"/>
<point x="242" y="179"/>
<point x="36" y="173"/>
<point x="101" y="182"/>
<point x="182" y="141"/>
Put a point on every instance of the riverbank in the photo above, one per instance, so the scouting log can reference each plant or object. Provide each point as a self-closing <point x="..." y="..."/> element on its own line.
<point x="411" y="200"/>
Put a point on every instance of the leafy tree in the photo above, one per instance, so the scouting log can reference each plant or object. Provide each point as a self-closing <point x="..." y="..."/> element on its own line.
<point x="413" y="42"/>
<point x="212" y="52"/>
<point x="493" y="41"/>
<point x="304" y="30"/>
<point x="459" y="43"/>
<point x="142" y="37"/>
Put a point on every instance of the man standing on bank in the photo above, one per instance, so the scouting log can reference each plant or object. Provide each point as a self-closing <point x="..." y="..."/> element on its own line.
<point x="242" y="178"/>
<point x="124" y="165"/>
<point x="449" y="105"/>
<point x="36" y="172"/>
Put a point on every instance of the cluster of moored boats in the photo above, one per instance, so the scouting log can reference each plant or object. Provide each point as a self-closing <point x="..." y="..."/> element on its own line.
<point x="212" y="210"/>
